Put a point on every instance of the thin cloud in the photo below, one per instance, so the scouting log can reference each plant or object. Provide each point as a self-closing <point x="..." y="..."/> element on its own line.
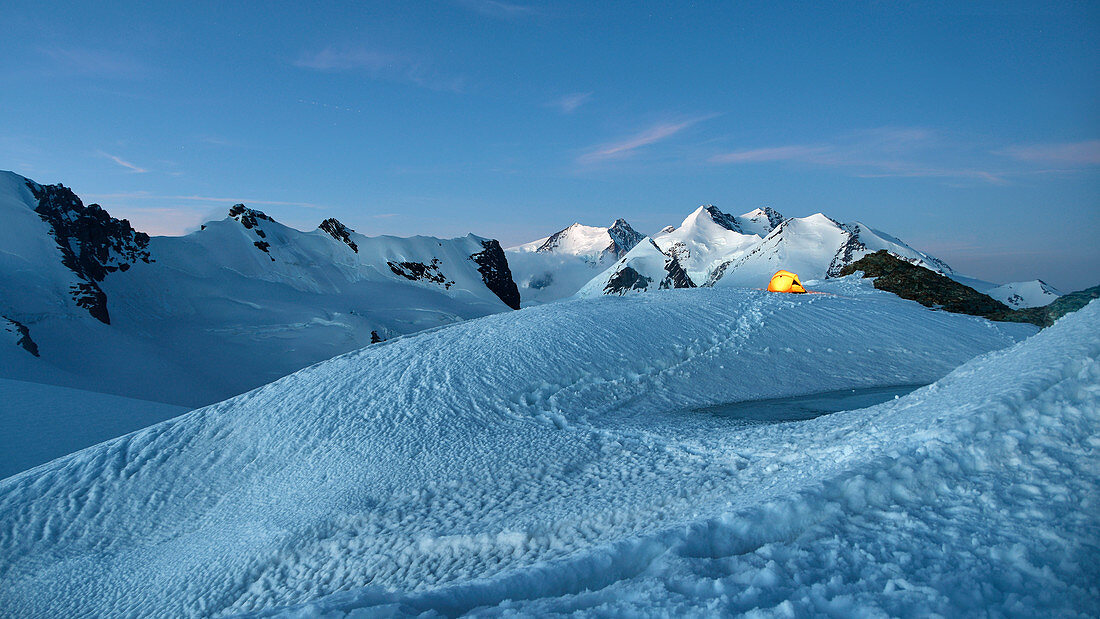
<point x="795" y="152"/>
<point x="625" y="147"/>
<point x="126" y="164"/>
<point x="569" y="103"/>
<point x="500" y="10"/>
<point x="886" y="152"/>
<point x="1070" y="153"/>
<point x="378" y="65"/>
<point x="142" y="195"/>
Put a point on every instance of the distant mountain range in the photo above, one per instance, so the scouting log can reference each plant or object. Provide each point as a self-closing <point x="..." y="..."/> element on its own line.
<point x="95" y="305"/>
<point x="88" y="302"/>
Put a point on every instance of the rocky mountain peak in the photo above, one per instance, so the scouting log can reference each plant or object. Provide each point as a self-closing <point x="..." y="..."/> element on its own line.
<point x="623" y="237"/>
<point x="722" y="219"/>
<point x="339" y="231"/>
<point x="92" y="243"/>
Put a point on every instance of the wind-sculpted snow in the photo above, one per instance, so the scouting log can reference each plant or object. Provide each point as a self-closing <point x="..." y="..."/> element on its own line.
<point x="534" y="454"/>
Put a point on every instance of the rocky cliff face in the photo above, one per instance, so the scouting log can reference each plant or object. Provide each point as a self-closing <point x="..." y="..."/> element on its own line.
<point x="493" y="266"/>
<point x="623" y="238"/>
<point x="92" y="243"/>
<point x="340" y="232"/>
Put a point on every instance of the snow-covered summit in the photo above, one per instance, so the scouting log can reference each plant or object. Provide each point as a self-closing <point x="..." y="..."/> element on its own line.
<point x="590" y="241"/>
<point x="704" y="239"/>
<point x="761" y="221"/>
<point x="1020" y="295"/>
<point x="557" y="266"/>
<point x="815" y="247"/>
<point x="642" y="269"/>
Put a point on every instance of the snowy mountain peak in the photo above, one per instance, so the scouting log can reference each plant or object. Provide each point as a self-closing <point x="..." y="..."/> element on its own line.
<point x="815" y="247"/>
<point x="727" y="221"/>
<point x="761" y="221"/>
<point x="579" y="239"/>
<point x="250" y="218"/>
<point x="1020" y="295"/>
<point x="710" y="215"/>
<point x="643" y="268"/>
<point x="705" y="237"/>
<point x="339" y="231"/>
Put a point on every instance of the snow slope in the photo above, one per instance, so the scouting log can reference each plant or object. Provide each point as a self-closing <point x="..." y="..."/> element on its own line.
<point x="557" y="266"/>
<point x="41" y="422"/>
<point x="201" y="317"/>
<point x="814" y="247"/>
<point x="974" y="496"/>
<point x="1018" y="295"/>
<point x="642" y="269"/>
<point x="541" y="450"/>
<point x="707" y="237"/>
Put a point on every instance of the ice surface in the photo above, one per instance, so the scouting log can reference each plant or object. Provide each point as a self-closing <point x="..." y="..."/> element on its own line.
<point x="531" y="456"/>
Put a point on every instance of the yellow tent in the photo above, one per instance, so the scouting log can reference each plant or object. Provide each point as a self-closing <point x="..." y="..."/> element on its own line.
<point x="785" y="281"/>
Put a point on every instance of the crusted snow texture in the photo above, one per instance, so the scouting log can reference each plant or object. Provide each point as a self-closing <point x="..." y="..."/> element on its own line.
<point x="546" y="457"/>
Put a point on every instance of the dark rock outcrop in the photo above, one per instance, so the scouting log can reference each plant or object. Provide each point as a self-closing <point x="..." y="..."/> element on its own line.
<point x="774" y="217"/>
<point x="250" y="219"/>
<point x="677" y="277"/>
<point x="340" y="232"/>
<point x="933" y="289"/>
<point x="495" y="272"/>
<point x="625" y="280"/>
<point x="925" y="286"/>
<point x="418" y="271"/>
<point x="92" y="243"/>
<point x="22" y="335"/>
<point x="845" y="255"/>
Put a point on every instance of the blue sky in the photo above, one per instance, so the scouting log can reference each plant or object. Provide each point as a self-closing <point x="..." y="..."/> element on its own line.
<point x="970" y="130"/>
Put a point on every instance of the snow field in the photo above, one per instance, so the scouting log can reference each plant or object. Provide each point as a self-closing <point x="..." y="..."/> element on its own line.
<point x="975" y="495"/>
<point x="420" y="467"/>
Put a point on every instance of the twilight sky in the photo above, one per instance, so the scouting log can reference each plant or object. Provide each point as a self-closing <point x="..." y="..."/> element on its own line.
<point x="969" y="130"/>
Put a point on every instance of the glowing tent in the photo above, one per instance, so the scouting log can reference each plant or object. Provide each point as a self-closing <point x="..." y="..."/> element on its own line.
<point x="785" y="281"/>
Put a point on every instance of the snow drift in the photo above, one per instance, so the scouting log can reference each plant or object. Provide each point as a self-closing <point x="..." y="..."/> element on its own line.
<point x="485" y="450"/>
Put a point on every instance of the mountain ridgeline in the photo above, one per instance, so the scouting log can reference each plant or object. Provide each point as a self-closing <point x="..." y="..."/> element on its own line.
<point x="87" y="299"/>
<point x="89" y="302"/>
